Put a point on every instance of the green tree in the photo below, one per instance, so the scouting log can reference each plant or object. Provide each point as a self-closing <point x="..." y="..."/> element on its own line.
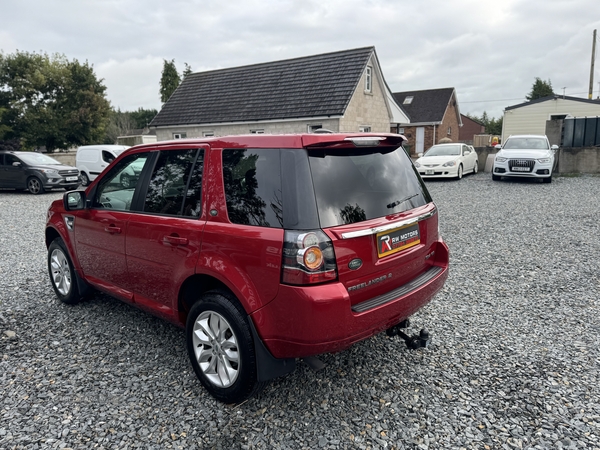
<point x="169" y="80"/>
<point x="51" y="101"/>
<point x="122" y="122"/>
<point x="540" y="89"/>
<point x="187" y="70"/>
<point x="492" y="125"/>
<point x="142" y="117"/>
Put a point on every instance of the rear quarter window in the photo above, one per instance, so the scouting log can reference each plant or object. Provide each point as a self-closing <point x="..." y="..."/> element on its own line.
<point x="252" y="180"/>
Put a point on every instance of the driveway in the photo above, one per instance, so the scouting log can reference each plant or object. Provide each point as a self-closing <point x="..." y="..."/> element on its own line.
<point x="514" y="361"/>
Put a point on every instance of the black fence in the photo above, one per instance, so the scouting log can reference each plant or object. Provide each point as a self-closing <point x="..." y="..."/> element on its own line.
<point x="581" y="132"/>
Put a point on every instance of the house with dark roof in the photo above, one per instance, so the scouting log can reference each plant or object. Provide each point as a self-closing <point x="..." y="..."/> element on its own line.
<point x="342" y="91"/>
<point x="470" y="128"/>
<point x="433" y="115"/>
<point x="531" y="117"/>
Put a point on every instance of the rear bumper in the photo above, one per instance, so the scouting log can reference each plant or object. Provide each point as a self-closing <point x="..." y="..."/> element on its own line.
<point x="306" y="321"/>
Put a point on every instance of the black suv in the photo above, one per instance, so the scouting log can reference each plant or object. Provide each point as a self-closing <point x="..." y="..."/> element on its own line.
<point x="35" y="172"/>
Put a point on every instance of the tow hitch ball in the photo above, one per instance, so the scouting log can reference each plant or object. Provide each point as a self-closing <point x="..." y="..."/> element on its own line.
<point x="413" y="342"/>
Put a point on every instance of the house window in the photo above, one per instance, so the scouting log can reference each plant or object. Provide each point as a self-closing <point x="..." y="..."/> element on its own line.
<point x="364" y="129"/>
<point x="449" y="130"/>
<point x="369" y="79"/>
<point x="257" y="131"/>
<point x="208" y="133"/>
<point x="400" y="130"/>
<point x="179" y="135"/>
<point x="408" y="100"/>
<point x="313" y="128"/>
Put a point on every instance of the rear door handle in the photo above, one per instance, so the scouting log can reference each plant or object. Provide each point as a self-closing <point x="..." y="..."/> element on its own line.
<point x="175" y="240"/>
<point x="112" y="229"/>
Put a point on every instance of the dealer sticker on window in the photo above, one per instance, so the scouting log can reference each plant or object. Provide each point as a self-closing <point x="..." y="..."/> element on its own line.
<point x="390" y="242"/>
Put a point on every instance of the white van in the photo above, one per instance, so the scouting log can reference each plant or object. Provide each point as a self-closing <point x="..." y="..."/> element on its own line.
<point x="93" y="159"/>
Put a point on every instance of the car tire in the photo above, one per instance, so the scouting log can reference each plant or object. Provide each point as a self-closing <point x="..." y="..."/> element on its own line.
<point x="459" y="172"/>
<point x="34" y="186"/>
<point x="85" y="180"/>
<point x="221" y="348"/>
<point x="62" y="273"/>
<point x="496" y="177"/>
<point x="125" y="181"/>
<point x="476" y="167"/>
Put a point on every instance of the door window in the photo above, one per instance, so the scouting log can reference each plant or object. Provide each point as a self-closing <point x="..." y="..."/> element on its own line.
<point x="175" y="184"/>
<point x="115" y="190"/>
<point x="108" y="157"/>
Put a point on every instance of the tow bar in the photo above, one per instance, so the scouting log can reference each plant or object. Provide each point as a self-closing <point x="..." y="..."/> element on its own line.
<point x="413" y="342"/>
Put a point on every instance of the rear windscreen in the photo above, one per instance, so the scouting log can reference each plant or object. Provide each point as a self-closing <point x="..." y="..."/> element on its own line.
<point x="361" y="184"/>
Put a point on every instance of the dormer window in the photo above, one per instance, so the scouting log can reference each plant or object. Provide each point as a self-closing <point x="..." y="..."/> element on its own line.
<point x="408" y="100"/>
<point x="369" y="79"/>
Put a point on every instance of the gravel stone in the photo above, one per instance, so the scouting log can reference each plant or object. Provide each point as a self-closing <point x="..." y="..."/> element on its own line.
<point x="514" y="361"/>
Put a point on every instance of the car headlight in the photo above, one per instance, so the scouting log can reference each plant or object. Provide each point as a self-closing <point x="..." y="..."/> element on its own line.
<point x="449" y="164"/>
<point x="49" y="171"/>
<point x="500" y="159"/>
<point x="544" y="160"/>
<point x="417" y="164"/>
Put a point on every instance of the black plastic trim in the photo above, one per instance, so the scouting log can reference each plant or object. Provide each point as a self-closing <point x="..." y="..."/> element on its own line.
<point x="405" y="289"/>
<point x="267" y="366"/>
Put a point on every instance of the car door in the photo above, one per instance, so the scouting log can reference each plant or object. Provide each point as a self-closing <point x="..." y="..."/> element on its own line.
<point x="467" y="159"/>
<point x="101" y="228"/>
<point x="164" y="237"/>
<point x="14" y="172"/>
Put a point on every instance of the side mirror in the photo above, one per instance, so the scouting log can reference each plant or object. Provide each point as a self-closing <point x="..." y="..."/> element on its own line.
<point x="554" y="147"/>
<point x="498" y="147"/>
<point x="420" y="155"/>
<point x="74" y="200"/>
<point x="16" y="164"/>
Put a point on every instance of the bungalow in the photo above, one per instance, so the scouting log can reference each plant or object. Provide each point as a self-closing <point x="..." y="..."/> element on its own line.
<point x="530" y="117"/>
<point x="342" y="91"/>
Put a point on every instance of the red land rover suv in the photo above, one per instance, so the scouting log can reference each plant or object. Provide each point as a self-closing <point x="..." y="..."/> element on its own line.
<point x="266" y="248"/>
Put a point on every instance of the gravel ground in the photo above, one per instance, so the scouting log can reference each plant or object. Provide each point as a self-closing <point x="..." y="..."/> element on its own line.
<point x="514" y="363"/>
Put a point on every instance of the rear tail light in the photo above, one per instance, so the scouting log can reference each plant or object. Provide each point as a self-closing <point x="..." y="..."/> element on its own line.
<point x="308" y="258"/>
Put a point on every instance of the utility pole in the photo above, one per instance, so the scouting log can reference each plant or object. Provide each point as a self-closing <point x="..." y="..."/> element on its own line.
<point x="592" y="68"/>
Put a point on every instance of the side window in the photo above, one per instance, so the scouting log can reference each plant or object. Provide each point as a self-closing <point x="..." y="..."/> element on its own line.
<point x="11" y="159"/>
<point x="108" y="157"/>
<point x="116" y="189"/>
<point x="252" y="181"/>
<point x="171" y="189"/>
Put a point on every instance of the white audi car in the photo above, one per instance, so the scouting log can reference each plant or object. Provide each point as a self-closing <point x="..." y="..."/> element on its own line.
<point x="447" y="161"/>
<point x="526" y="155"/>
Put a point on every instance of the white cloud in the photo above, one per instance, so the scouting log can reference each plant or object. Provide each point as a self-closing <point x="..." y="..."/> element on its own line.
<point x="133" y="83"/>
<point x="486" y="50"/>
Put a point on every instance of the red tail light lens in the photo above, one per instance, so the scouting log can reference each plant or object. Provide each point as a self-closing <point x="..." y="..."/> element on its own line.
<point x="308" y="258"/>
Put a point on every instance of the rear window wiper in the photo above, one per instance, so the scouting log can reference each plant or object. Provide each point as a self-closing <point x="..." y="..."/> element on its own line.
<point x="398" y="202"/>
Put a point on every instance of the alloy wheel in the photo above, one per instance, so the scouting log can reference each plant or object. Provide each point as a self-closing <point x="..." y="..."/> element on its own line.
<point x="216" y="349"/>
<point x="61" y="272"/>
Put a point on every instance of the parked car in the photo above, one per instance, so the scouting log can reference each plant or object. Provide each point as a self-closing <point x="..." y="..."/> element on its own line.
<point x="264" y="248"/>
<point x="35" y="172"/>
<point x="526" y="155"/>
<point x="448" y="161"/>
<point x="93" y="159"/>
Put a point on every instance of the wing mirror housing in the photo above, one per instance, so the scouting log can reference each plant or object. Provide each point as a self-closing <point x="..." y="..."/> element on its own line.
<point x="74" y="200"/>
<point x="554" y="147"/>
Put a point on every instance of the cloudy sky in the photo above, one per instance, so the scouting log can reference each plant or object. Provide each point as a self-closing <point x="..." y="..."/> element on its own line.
<point x="491" y="51"/>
